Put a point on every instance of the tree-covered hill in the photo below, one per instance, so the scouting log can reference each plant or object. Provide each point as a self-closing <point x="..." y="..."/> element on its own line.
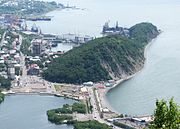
<point x="111" y="57"/>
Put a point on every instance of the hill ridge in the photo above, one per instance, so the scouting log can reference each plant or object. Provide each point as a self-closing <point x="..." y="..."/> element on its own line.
<point x="111" y="57"/>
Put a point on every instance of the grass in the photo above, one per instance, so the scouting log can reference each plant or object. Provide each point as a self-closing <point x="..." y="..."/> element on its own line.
<point x="58" y="87"/>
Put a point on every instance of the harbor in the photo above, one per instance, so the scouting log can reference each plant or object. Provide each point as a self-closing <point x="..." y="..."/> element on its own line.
<point x="94" y="94"/>
<point x="134" y="98"/>
<point x="31" y="110"/>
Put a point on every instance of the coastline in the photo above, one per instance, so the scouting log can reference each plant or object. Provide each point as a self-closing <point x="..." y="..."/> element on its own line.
<point x="105" y="102"/>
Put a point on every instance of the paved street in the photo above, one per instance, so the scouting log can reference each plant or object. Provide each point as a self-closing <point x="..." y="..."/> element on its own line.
<point x="96" y="112"/>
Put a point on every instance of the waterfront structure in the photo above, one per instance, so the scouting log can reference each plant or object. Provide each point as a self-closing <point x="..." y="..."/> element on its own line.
<point x="88" y="38"/>
<point x="83" y="39"/>
<point x="39" y="18"/>
<point x="107" y="30"/>
<point x="76" y="38"/>
<point x="49" y="37"/>
<point x="66" y="38"/>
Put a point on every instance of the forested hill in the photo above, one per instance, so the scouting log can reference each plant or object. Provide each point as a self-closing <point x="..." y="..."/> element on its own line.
<point x="111" y="57"/>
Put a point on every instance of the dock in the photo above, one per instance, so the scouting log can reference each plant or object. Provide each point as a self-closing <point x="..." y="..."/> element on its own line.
<point x="38" y="18"/>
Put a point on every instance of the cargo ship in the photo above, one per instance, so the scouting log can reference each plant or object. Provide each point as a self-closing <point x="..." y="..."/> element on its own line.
<point x="44" y="18"/>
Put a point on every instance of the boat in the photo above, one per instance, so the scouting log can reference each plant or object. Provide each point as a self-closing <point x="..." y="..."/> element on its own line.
<point x="39" y="18"/>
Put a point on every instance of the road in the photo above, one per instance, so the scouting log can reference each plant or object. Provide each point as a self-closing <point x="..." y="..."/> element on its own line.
<point x="22" y="78"/>
<point x="96" y="112"/>
<point x="27" y="83"/>
<point x="2" y="40"/>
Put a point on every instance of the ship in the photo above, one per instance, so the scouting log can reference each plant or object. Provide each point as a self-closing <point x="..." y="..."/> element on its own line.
<point x="43" y="18"/>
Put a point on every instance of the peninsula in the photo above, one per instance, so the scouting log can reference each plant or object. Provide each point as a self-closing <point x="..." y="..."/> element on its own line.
<point x="106" y="59"/>
<point x="96" y="64"/>
<point x="112" y="57"/>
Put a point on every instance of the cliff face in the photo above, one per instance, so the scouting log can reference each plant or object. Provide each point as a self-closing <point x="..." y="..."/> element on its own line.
<point x="111" y="57"/>
<point x="129" y="57"/>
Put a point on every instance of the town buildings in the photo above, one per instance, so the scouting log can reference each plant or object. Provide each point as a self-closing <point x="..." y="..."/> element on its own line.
<point x="37" y="47"/>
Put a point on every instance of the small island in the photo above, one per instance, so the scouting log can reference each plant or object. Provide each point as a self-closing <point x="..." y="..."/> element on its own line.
<point x="64" y="115"/>
<point x="68" y="113"/>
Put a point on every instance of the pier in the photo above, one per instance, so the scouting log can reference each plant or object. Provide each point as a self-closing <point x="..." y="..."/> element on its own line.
<point x="67" y="38"/>
<point x="39" y="18"/>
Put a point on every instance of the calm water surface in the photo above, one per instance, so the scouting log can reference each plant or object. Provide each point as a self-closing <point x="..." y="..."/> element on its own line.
<point x="29" y="112"/>
<point x="160" y="77"/>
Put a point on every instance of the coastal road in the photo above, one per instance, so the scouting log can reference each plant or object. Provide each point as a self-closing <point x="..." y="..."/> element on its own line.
<point x="96" y="115"/>
<point x="23" y="77"/>
<point x="96" y="112"/>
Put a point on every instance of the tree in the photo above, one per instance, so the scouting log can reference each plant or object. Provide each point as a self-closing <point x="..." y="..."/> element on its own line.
<point x="103" y="58"/>
<point x="166" y="116"/>
<point x="5" y="83"/>
<point x="173" y="115"/>
<point x="90" y="125"/>
<point x="1" y="97"/>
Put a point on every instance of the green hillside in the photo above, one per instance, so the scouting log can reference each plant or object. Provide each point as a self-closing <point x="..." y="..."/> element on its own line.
<point x="110" y="57"/>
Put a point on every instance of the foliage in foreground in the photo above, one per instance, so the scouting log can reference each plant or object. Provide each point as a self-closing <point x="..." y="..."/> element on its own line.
<point x="167" y="116"/>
